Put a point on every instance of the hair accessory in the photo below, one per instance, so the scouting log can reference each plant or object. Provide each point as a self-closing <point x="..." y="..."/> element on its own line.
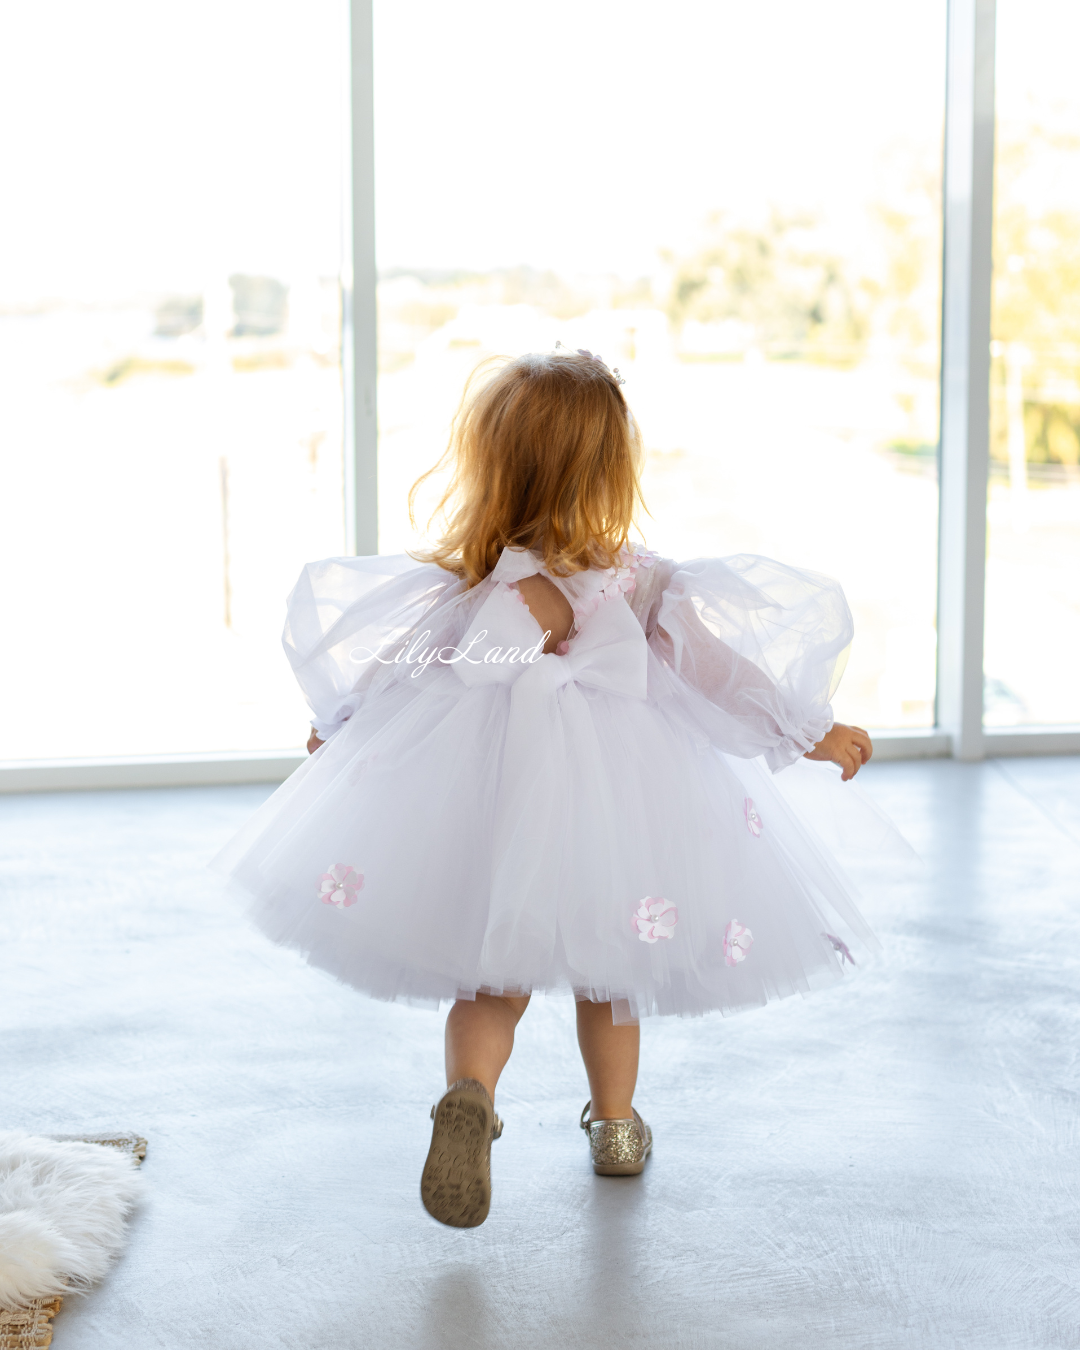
<point x="598" y="359"/>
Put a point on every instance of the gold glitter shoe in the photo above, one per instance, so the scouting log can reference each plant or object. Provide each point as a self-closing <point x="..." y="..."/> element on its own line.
<point x="619" y="1147"/>
<point x="456" y="1183"/>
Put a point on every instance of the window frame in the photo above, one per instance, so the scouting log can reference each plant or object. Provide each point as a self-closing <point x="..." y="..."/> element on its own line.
<point x="964" y="437"/>
<point x="964" y="441"/>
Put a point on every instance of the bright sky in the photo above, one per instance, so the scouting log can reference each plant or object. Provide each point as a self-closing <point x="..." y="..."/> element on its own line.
<point x="585" y="136"/>
<point x="151" y="146"/>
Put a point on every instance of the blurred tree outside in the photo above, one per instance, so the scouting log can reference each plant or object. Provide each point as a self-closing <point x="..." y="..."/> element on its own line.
<point x="781" y="286"/>
<point x="414" y="304"/>
<point x="774" y="286"/>
<point x="1035" y="391"/>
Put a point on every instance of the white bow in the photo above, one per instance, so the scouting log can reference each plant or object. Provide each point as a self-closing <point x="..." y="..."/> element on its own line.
<point x="547" y="710"/>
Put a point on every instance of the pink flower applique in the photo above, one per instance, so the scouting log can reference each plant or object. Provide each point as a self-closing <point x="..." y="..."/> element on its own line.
<point x="636" y="555"/>
<point x="621" y="579"/>
<point x="839" y="945"/>
<point x="737" y="942"/>
<point x="562" y="648"/>
<point x="655" y="919"/>
<point x="340" y="885"/>
<point x="622" y="582"/>
<point x="753" y="820"/>
<point x="515" y="593"/>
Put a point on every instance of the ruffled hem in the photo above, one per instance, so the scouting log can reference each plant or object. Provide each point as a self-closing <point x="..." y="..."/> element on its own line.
<point x="650" y="809"/>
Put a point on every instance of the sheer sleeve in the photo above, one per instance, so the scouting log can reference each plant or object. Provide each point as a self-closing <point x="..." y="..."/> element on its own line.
<point x="763" y="642"/>
<point x="650" y="583"/>
<point x="343" y="607"/>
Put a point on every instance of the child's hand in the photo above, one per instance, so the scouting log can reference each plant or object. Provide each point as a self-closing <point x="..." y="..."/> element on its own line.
<point x="847" y="746"/>
<point x="313" y="742"/>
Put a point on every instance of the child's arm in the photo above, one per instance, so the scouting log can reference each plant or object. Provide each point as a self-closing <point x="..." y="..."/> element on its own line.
<point x="770" y="676"/>
<point x="850" y="747"/>
<point x="732" y="681"/>
<point x="344" y="606"/>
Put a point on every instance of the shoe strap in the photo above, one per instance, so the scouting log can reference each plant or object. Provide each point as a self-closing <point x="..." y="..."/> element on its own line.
<point x="585" y="1123"/>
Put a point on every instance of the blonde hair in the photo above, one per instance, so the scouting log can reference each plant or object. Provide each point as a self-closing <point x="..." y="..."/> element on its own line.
<point x="545" y="455"/>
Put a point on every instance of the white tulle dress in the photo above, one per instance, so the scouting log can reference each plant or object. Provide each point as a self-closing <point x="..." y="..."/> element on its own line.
<point x="604" y="819"/>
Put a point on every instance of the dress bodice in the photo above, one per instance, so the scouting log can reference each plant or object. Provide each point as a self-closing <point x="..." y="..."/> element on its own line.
<point x="754" y="646"/>
<point x="503" y="639"/>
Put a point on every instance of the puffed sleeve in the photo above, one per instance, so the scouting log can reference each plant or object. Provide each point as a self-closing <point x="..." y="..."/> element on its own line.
<point x="763" y="642"/>
<point x="341" y="613"/>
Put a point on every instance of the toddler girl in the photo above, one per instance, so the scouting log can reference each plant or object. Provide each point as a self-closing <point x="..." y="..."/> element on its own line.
<point x="542" y="760"/>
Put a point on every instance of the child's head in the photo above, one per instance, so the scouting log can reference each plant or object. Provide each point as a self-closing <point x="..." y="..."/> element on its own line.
<point x="545" y="455"/>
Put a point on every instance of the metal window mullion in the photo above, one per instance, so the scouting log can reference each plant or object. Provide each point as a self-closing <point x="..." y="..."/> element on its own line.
<point x="965" y="374"/>
<point x="359" y="352"/>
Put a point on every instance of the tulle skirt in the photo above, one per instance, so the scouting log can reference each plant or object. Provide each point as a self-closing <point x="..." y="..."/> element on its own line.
<point x="664" y="875"/>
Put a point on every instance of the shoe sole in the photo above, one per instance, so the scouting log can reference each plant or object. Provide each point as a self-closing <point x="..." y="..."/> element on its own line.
<point x="456" y="1183"/>
<point x="620" y="1169"/>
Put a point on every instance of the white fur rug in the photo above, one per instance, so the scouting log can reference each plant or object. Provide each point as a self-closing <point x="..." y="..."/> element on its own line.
<point x="62" y="1211"/>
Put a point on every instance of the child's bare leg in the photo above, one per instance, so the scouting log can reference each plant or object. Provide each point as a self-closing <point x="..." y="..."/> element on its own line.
<point x="480" y="1036"/>
<point x="610" y="1053"/>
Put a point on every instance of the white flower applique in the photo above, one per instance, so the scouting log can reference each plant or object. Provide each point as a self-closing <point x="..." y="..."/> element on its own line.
<point x="655" y="919"/>
<point x="738" y="940"/>
<point x="340" y="885"/>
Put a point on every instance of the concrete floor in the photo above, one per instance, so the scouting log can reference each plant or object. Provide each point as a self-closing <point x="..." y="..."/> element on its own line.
<point x="893" y="1163"/>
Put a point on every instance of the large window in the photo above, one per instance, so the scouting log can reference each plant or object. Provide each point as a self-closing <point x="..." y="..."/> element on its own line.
<point x="1033" y="565"/>
<point x="169" y="334"/>
<point x="737" y="205"/>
